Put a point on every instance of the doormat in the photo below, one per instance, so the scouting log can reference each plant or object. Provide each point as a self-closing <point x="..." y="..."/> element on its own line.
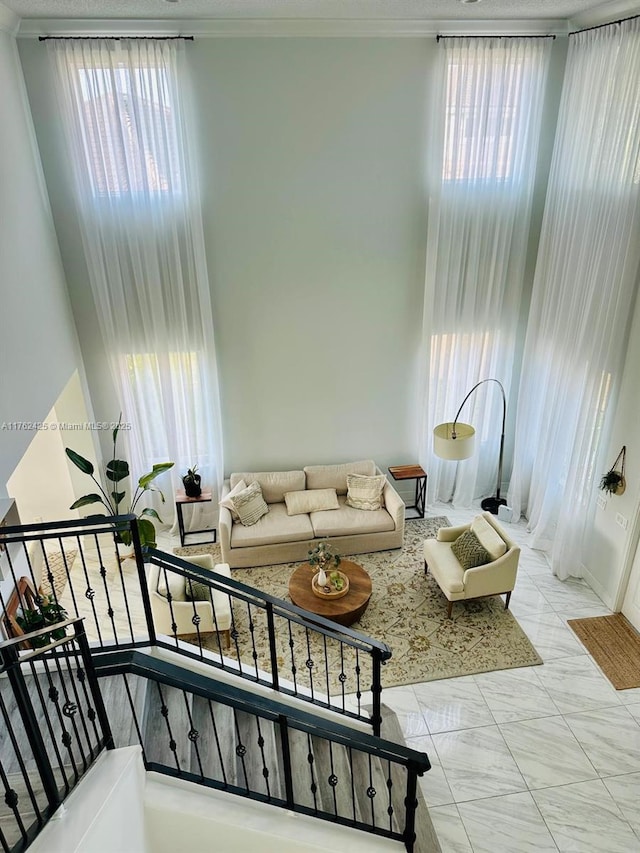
<point x="614" y="644"/>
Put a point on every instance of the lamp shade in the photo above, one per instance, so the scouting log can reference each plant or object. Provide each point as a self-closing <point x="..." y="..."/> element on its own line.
<point x="460" y="447"/>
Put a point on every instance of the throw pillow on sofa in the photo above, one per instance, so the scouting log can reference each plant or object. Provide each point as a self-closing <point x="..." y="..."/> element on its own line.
<point x="227" y="500"/>
<point x="469" y="551"/>
<point x="311" y="500"/>
<point x="365" y="492"/>
<point x="250" y="505"/>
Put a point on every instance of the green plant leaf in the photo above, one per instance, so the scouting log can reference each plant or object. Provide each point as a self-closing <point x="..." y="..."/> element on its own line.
<point x="125" y="537"/>
<point x="158" y="469"/>
<point x="147" y="533"/>
<point x="79" y="461"/>
<point x="85" y="500"/>
<point x="150" y="511"/>
<point x="117" y="470"/>
<point x="118" y="496"/>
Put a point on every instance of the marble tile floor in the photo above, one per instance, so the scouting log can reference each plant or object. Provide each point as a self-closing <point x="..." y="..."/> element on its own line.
<point x="543" y="758"/>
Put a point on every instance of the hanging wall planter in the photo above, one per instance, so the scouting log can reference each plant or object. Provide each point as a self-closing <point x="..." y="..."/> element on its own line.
<point x="613" y="482"/>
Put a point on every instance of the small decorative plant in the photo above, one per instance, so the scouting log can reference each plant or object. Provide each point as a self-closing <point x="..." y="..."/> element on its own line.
<point x="48" y="613"/>
<point x="323" y="556"/>
<point x="191" y="482"/>
<point x="116" y="471"/>
<point x="611" y="482"/>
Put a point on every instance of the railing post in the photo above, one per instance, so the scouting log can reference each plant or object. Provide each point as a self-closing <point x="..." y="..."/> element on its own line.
<point x="272" y="646"/>
<point x="142" y="579"/>
<point x="96" y="693"/>
<point x="376" y="690"/>
<point x="10" y="661"/>
<point x="286" y="760"/>
<point x="411" y="804"/>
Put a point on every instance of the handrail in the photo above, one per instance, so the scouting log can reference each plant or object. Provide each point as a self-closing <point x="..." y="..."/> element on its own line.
<point x="292" y="615"/>
<point x="249" y="593"/>
<point x="364" y="767"/>
<point x="55" y="727"/>
<point x="140" y="663"/>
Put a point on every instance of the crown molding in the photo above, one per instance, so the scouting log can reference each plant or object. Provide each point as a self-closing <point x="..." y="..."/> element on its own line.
<point x="285" y="27"/>
<point x="605" y="12"/>
<point x="9" y="21"/>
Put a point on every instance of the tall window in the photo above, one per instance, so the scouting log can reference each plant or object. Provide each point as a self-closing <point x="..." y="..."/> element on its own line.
<point x="488" y="115"/>
<point x="136" y="189"/>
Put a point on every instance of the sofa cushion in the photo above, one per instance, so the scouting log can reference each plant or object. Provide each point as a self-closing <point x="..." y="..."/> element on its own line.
<point x="365" y="492"/>
<point x="489" y="537"/>
<point x="273" y="528"/>
<point x="347" y="521"/>
<point x="274" y="484"/>
<point x="250" y="504"/>
<point x="310" y="500"/>
<point x="227" y="500"/>
<point x="469" y="551"/>
<point x="335" y="476"/>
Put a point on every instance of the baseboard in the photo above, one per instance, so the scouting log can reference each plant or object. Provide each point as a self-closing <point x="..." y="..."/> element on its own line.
<point x="597" y="587"/>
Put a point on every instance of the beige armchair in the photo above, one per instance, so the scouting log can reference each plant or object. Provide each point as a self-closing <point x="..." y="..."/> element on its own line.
<point x="183" y="610"/>
<point x="497" y="577"/>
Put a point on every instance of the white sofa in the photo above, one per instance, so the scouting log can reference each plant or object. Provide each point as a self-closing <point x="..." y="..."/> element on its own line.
<point x="496" y="577"/>
<point x="281" y="538"/>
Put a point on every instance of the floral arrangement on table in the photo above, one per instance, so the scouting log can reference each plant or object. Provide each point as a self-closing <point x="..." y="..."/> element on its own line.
<point x="323" y="558"/>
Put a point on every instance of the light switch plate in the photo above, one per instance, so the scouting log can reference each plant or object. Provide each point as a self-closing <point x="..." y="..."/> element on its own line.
<point x="621" y="520"/>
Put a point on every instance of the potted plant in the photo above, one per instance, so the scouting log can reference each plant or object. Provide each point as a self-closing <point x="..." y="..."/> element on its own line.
<point x="116" y="471"/>
<point x="612" y="483"/>
<point x="191" y="482"/>
<point x="49" y="612"/>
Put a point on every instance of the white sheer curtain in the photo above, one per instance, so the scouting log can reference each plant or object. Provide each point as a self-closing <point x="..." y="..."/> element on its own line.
<point x="585" y="281"/>
<point x="123" y="109"/>
<point x="489" y="102"/>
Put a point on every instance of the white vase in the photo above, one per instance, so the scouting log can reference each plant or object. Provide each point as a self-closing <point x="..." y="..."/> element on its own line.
<point x="322" y="578"/>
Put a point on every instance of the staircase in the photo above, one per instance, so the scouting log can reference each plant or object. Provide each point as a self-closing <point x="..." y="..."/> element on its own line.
<point x="292" y="761"/>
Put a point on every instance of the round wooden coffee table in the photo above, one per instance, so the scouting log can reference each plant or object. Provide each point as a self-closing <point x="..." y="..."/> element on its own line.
<point x="345" y="610"/>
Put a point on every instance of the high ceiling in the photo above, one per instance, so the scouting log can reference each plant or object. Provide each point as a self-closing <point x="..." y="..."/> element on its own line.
<point x="583" y="11"/>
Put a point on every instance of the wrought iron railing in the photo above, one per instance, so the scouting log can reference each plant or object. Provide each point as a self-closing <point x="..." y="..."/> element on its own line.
<point x="54" y="726"/>
<point x="215" y="734"/>
<point x="271" y="641"/>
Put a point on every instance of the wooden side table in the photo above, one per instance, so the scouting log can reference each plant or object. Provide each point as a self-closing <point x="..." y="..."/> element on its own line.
<point x="413" y="472"/>
<point x="181" y="500"/>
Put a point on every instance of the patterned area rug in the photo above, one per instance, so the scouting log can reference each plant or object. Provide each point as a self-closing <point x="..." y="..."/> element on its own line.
<point x="57" y="565"/>
<point x="408" y="612"/>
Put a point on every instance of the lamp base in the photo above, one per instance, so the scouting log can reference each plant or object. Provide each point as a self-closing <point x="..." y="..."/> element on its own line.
<point x="492" y="504"/>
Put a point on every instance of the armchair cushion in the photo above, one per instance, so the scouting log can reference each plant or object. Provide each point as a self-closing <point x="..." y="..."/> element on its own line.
<point x="470" y="551"/>
<point x="489" y="538"/>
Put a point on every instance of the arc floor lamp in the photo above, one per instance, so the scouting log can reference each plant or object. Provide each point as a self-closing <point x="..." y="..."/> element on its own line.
<point x="456" y="441"/>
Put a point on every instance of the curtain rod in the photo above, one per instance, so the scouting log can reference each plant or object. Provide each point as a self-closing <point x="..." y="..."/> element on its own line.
<point x="600" y="26"/>
<point x="470" y="36"/>
<point x="114" y="38"/>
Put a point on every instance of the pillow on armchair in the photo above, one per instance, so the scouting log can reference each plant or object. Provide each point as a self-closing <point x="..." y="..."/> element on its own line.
<point x="469" y="551"/>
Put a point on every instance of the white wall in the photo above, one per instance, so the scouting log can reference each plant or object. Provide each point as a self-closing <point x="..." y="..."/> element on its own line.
<point x="612" y="548"/>
<point x="38" y="347"/>
<point x="312" y="157"/>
